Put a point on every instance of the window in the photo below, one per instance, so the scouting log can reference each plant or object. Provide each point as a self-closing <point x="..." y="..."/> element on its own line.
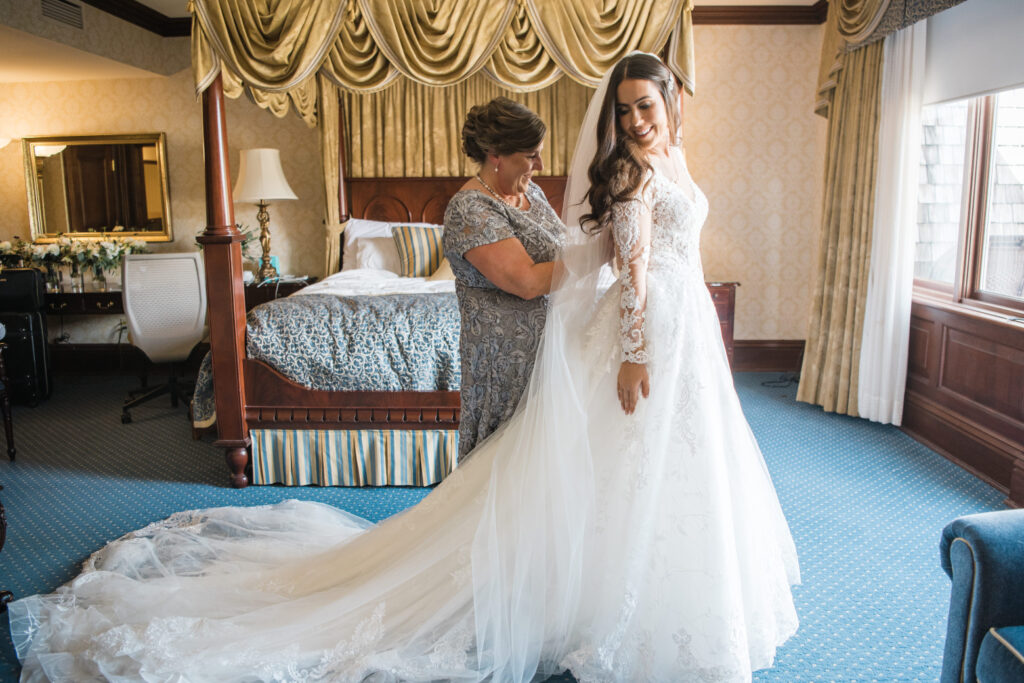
<point x="970" y="242"/>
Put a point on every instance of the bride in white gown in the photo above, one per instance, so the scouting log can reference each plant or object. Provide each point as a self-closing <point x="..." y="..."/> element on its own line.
<point x="621" y="537"/>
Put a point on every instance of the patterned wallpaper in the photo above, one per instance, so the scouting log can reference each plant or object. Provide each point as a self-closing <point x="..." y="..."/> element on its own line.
<point x="753" y="143"/>
<point x="757" y="150"/>
<point x="167" y="104"/>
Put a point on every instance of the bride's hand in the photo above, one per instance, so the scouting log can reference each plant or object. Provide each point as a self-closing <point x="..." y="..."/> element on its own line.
<point x="633" y="382"/>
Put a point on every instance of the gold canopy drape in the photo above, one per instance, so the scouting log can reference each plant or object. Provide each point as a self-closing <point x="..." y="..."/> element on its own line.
<point x="419" y="65"/>
<point x="431" y="123"/>
<point x="273" y="49"/>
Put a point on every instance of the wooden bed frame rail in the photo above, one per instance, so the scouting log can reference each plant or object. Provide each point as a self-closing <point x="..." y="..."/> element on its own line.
<point x="275" y="402"/>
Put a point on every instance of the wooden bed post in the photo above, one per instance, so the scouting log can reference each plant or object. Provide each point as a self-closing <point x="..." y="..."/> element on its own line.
<point x="225" y="292"/>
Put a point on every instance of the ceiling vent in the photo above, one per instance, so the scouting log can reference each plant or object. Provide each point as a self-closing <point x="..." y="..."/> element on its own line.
<point x="65" y="12"/>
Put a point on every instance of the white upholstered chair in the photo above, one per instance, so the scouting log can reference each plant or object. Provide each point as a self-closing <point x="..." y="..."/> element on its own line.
<point x="165" y="303"/>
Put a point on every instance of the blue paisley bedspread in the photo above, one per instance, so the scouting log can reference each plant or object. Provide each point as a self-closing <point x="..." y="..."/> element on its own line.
<point x="393" y="342"/>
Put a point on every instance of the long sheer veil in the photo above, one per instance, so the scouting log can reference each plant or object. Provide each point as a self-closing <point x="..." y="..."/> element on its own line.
<point x="529" y="548"/>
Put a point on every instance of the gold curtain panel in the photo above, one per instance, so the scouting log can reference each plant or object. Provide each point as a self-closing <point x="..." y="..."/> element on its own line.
<point x="274" y="49"/>
<point x="430" y="120"/>
<point x="831" y="364"/>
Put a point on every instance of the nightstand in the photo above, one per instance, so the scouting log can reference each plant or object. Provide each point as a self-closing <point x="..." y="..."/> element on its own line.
<point x="258" y="294"/>
<point x="723" y="294"/>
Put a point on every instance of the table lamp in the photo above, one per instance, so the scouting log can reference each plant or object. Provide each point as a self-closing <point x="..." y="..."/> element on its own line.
<point x="261" y="181"/>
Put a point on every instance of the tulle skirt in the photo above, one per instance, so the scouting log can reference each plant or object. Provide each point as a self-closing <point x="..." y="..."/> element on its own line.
<point x="648" y="547"/>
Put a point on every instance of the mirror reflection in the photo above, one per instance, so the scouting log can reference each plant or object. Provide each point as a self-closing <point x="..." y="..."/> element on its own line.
<point x="98" y="185"/>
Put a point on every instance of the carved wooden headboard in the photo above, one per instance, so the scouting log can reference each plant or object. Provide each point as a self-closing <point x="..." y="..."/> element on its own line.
<point x="421" y="200"/>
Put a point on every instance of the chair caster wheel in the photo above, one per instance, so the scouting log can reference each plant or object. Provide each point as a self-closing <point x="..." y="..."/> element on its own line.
<point x="126" y="418"/>
<point x="5" y="597"/>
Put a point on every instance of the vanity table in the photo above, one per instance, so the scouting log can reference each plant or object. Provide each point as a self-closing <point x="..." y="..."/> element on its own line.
<point x="82" y="303"/>
<point x="109" y="303"/>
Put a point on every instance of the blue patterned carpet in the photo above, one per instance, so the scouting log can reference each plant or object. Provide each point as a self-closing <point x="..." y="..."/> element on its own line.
<point x="865" y="502"/>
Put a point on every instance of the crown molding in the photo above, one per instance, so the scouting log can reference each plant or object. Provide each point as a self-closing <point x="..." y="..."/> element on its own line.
<point x="136" y="13"/>
<point x="144" y="17"/>
<point x="761" y="14"/>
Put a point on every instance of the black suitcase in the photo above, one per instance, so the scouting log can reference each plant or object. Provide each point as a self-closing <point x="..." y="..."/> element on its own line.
<point x="22" y="289"/>
<point x="27" y="357"/>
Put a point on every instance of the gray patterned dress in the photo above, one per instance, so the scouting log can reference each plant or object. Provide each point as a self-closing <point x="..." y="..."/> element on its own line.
<point x="500" y="332"/>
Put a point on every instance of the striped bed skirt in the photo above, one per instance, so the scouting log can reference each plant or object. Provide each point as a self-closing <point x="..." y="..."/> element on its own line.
<point x="365" y="457"/>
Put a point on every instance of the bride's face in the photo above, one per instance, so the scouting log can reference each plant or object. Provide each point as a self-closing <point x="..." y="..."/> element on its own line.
<point x="641" y="112"/>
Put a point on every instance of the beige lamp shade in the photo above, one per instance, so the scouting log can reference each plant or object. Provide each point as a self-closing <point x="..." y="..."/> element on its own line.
<point x="260" y="177"/>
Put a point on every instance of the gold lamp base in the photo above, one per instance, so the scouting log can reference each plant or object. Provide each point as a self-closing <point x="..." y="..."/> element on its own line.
<point x="267" y="270"/>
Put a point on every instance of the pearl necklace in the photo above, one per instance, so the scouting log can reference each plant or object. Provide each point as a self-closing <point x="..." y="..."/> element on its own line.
<point x="519" y="197"/>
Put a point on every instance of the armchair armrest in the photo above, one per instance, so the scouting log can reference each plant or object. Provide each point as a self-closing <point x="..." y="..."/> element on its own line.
<point x="984" y="556"/>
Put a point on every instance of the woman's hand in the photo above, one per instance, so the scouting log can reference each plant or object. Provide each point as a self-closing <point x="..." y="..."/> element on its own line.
<point x="633" y="381"/>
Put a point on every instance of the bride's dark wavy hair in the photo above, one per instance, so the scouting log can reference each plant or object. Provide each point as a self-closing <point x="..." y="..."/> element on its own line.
<point x="619" y="165"/>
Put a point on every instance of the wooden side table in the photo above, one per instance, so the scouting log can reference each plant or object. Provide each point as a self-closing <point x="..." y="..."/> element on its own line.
<point x="256" y="294"/>
<point x="723" y="294"/>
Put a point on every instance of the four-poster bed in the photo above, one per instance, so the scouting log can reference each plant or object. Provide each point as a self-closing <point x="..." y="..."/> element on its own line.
<point x="363" y="46"/>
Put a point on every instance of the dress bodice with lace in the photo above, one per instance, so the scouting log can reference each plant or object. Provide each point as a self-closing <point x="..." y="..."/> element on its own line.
<point x="642" y="547"/>
<point x="656" y="235"/>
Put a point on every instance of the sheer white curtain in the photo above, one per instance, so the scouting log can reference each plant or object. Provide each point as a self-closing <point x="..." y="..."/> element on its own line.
<point x="883" y="356"/>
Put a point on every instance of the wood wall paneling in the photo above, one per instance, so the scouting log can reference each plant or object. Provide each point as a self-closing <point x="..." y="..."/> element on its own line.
<point x="965" y="391"/>
<point x="921" y="334"/>
<point x="947" y="432"/>
<point x="984" y="372"/>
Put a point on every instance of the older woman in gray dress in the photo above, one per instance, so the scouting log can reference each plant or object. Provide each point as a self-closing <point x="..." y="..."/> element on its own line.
<point x="501" y="237"/>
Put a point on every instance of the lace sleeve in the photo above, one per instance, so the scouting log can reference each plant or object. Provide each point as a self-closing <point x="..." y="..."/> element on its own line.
<point x="631" y="232"/>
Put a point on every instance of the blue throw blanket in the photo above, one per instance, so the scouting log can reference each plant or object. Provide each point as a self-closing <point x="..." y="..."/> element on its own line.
<point x="394" y="342"/>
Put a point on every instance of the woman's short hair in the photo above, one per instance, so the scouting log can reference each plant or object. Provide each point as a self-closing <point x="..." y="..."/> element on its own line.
<point x="501" y="127"/>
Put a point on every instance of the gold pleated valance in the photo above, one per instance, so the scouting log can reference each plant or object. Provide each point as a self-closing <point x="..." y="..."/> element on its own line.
<point x="852" y="24"/>
<point x="274" y="49"/>
<point x="857" y="19"/>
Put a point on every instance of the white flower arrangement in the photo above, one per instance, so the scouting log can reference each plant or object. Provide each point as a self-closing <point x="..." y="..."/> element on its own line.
<point x="103" y="255"/>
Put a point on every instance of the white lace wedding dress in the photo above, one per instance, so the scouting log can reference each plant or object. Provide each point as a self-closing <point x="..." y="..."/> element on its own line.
<point x="648" y="547"/>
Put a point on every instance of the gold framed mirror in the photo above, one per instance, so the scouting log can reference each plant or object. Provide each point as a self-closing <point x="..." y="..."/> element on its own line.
<point x="98" y="186"/>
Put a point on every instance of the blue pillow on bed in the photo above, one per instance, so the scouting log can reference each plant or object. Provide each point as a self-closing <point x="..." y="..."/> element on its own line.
<point x="419" y="249"/>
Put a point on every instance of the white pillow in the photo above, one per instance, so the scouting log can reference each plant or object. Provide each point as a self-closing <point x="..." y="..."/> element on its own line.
<point x="362" y="246"/>
<point x="374" y="252"/>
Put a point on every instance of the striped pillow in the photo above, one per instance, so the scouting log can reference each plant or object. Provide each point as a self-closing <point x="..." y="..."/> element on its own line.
<point x="419" y="249"/>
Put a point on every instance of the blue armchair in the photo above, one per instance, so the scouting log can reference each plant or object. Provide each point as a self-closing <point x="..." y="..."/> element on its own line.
<point x="984" y="556"/>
